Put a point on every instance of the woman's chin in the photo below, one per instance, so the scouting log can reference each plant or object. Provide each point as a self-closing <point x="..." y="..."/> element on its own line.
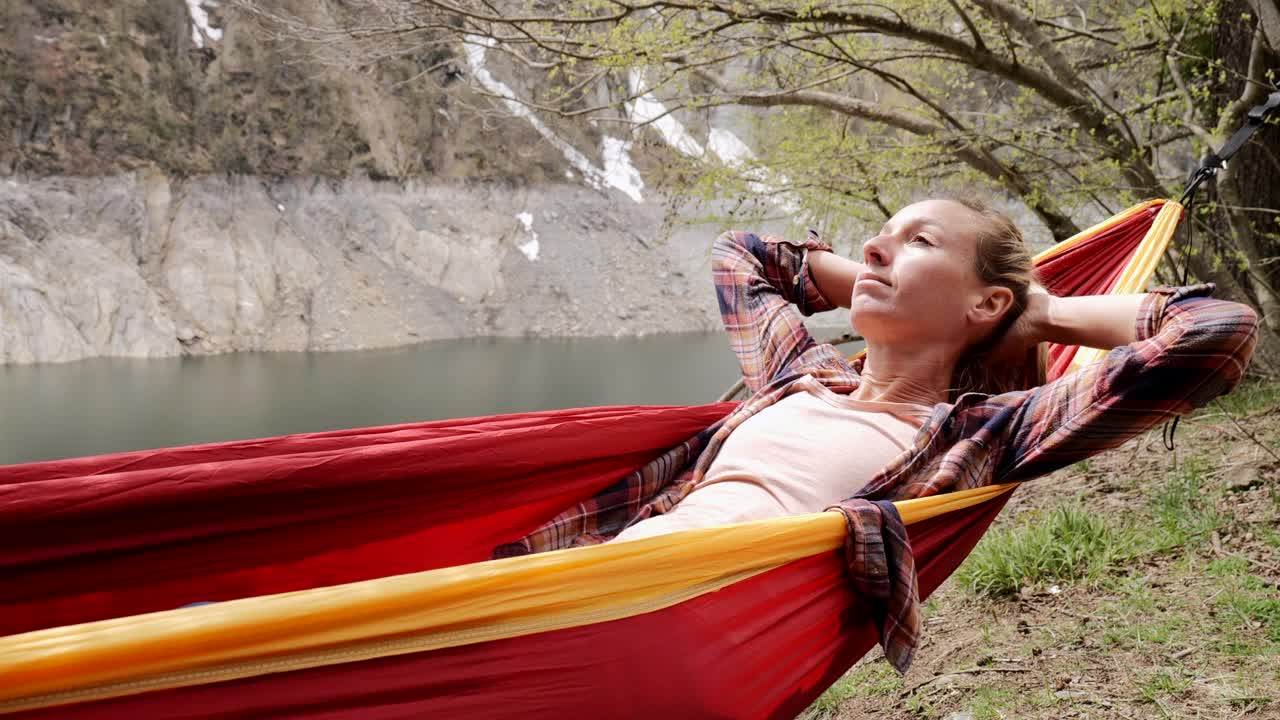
<point x="870" y="320"/>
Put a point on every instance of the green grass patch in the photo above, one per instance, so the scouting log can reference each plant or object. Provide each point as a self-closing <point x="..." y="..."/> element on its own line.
<point x="1069" y="543"/>
<point x="1137" y="633"/>
<point x="920" y="706"/>
<point x="1250" y="397"/>
<point x="1255" y="604"/>
<point x="874" y="679"/>
<point x="989" y="703"/>
<point x="929" y="608"/>
<point x="1163" y="683"/>
<point x="1183" y="510"/>
<point x="1140" y="619"/>
<point x="1227" y="567"/>
<point x="1064" y="544"/>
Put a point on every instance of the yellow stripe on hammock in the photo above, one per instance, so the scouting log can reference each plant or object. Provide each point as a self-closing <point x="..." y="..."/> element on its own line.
<point x="1107" y="224"/>
<point x="1140" y="267"/>
<point x="415" y="612"/>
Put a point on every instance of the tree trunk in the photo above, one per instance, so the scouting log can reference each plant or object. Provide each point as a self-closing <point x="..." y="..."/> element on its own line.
<point x="1252" y="180"/>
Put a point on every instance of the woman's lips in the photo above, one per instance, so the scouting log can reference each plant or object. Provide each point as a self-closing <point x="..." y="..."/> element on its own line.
<point x="870" y="277"/>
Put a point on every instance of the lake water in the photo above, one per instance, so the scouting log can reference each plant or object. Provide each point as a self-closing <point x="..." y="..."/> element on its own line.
<point x="110" y="405"/>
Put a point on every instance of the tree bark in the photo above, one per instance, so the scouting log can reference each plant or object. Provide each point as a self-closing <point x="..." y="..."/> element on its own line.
<point x="1252" y="180"/>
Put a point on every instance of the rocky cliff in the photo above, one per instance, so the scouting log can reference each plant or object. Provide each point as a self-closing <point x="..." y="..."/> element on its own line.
<point x="145" y="265"/>
<point x="176" y="179"/>
<point x="192" y="88"/>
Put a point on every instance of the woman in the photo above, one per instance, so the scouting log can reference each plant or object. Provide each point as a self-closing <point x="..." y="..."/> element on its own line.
<point x="949" y="396"/>
<point x="946" y="300"/>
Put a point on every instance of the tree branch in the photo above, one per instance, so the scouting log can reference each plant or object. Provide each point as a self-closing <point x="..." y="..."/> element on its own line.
<point x="1059" y="223"/>
<point x="968" y="23"/>
<point x="1122" y="147"/>
<point x="1255" y="87"/>
<point x="1188" y="115"/>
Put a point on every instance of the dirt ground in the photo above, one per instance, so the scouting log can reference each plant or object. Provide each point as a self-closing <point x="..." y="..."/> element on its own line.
<point x="1188" y="631"/>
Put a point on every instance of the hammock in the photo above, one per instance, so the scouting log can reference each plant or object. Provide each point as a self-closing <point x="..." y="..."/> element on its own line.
<point x="352" y="580"/>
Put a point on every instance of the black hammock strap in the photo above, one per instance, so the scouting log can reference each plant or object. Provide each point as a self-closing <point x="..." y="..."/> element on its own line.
<point x="1215" y="161"/>
<point x="1209" y="167"/>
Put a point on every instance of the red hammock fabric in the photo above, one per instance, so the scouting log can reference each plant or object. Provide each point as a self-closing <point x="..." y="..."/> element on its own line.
<point x="116" y="535"/>
<point x="762" y="648"/>
<point x="1091" y="267"/>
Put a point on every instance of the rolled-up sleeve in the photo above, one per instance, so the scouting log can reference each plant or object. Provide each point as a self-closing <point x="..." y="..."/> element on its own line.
<point x="764" y="290"/>
<point x="1190" y="349"/>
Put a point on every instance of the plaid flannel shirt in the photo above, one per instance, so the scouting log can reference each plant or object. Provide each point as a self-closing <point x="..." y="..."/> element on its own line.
<point x="1189" y="350"/>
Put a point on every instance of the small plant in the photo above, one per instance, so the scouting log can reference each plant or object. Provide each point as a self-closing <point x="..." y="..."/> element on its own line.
<point x="1183" y="512"/>
<point x="1254" y="604"/>
<point x="988" y="703"/>
<point x="871" y="679"/>
<point x="920" y="707"/>
<point x="1065" y="544"/>
<point x="1161" y="683"/>
<point x="1227" y="567"/>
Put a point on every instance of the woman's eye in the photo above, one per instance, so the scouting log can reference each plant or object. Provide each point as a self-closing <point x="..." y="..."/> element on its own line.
<point x="921" y="239"/>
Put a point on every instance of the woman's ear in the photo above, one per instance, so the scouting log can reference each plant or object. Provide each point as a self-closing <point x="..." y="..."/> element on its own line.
<point x="996" y="300"/>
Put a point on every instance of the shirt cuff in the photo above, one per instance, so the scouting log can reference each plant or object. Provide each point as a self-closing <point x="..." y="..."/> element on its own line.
<point x="810" y="299"/>
<point x="1151" y="313"/>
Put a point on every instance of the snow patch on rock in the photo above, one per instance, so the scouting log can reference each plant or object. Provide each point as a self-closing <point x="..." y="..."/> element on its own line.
<point x="530" y="247"/>
<point x="619" y="177"/>
<point x="200" y="30"/>
<point x="646" y="109"/>
<point x="618" y="170"/>
<point x="728" y="147"/>
<point x="724" y="144"/>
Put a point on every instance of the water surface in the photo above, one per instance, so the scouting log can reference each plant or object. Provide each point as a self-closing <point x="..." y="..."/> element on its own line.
<point x="114" y="404"/>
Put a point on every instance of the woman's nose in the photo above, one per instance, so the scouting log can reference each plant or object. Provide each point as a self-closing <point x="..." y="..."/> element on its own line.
<point x="875" y="251"/>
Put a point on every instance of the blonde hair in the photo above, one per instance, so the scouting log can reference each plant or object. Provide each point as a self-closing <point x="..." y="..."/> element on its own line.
<point x="1001" y="258"/>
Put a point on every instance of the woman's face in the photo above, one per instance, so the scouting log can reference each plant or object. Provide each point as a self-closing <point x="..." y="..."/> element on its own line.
<point x="919" y="282"/>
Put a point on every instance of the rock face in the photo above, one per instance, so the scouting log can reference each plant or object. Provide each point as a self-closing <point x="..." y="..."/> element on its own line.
<point x="144" y="265"/>
<point x="96" y="88"/>
<point x="65" y="291"/>
<point x="174" y="181"/>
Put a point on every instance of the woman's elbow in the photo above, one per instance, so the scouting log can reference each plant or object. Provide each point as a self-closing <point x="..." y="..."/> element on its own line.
<point x="1230" y="338"/>
<point x="729" y="250"/>
<point x="1241" y="332"/>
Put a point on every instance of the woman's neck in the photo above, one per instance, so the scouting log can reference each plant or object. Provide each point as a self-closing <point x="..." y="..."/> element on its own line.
<point x="918" y="375"/>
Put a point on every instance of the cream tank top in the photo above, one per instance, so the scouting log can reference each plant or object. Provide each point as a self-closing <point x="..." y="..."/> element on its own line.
<point x="806" y="452"/>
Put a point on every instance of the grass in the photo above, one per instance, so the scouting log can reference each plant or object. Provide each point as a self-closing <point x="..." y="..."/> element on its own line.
<point x="1252" y="605"/>
<point x="1250" y="397"/>
<point x="1231" y="611"/>
<point x="1064" y="544"/>
<point x="1163" y="683"/>
<point x="990" y="703"/>
<point x="1138" y="622"/>
<point x="876" y="679"/>
<point x="1069" y="542"/>
<point x="1183" y="510"/>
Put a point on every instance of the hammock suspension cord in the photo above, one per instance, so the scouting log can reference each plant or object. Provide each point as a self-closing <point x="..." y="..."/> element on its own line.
<point x="1209" y="167"/>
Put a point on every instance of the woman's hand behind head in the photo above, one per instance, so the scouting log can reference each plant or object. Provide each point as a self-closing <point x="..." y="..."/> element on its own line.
<point x="1025" y="333"/>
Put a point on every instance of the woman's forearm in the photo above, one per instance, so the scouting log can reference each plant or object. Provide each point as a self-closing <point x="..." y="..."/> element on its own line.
<point x="834" y="276"/>
<point x="1097" y="321"/>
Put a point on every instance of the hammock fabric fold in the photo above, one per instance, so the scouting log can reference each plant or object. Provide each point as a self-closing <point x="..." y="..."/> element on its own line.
<point x="351" y="573"/>
<point x="762" y="647"/>
<point x="96" y="538"/>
